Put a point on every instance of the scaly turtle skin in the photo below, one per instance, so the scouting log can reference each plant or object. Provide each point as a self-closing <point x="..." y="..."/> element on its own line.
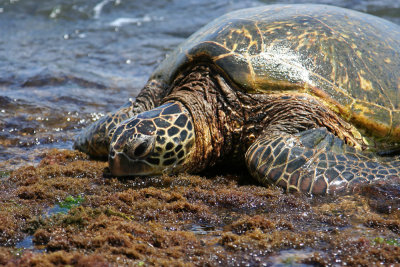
<point x="306" y="95"/>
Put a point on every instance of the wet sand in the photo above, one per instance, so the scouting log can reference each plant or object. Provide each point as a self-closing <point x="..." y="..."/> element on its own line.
<point x="68" y="211"/>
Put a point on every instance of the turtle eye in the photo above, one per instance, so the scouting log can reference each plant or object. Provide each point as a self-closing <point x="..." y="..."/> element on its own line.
<point x="142" y="147"/>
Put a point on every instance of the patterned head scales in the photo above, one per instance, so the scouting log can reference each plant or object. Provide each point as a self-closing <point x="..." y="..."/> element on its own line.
<point x="152" y="142"/>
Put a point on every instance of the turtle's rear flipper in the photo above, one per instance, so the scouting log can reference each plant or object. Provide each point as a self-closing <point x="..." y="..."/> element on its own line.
<point x="315" y="161"/>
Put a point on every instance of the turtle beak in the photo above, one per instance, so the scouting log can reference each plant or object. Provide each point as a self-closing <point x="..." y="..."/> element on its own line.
<point x="114" y="163"/>
<point x="121" y="165"/>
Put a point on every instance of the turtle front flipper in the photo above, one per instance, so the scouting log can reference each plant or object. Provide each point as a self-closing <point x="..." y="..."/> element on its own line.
<point x="95" y="139"/>
<point x="315" y="161"/>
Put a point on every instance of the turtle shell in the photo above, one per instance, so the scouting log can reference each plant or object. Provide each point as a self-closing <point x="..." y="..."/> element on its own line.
<point x="349" y="60"/>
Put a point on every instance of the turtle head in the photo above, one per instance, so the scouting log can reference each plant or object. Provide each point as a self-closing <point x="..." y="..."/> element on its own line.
<point x="153" y="142"/>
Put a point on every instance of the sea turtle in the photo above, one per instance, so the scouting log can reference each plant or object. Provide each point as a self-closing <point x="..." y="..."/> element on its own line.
<point x="307" y="96"/>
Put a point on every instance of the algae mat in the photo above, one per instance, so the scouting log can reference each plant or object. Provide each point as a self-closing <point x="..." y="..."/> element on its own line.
<point x="67" y="211"/>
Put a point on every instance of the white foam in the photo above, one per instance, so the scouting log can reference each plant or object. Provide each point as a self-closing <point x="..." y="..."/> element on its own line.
<point x="123" y="21"/>
<point x="99" y="7"/>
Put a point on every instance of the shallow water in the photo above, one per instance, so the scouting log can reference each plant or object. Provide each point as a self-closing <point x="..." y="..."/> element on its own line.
<point x="63" y="64"/>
